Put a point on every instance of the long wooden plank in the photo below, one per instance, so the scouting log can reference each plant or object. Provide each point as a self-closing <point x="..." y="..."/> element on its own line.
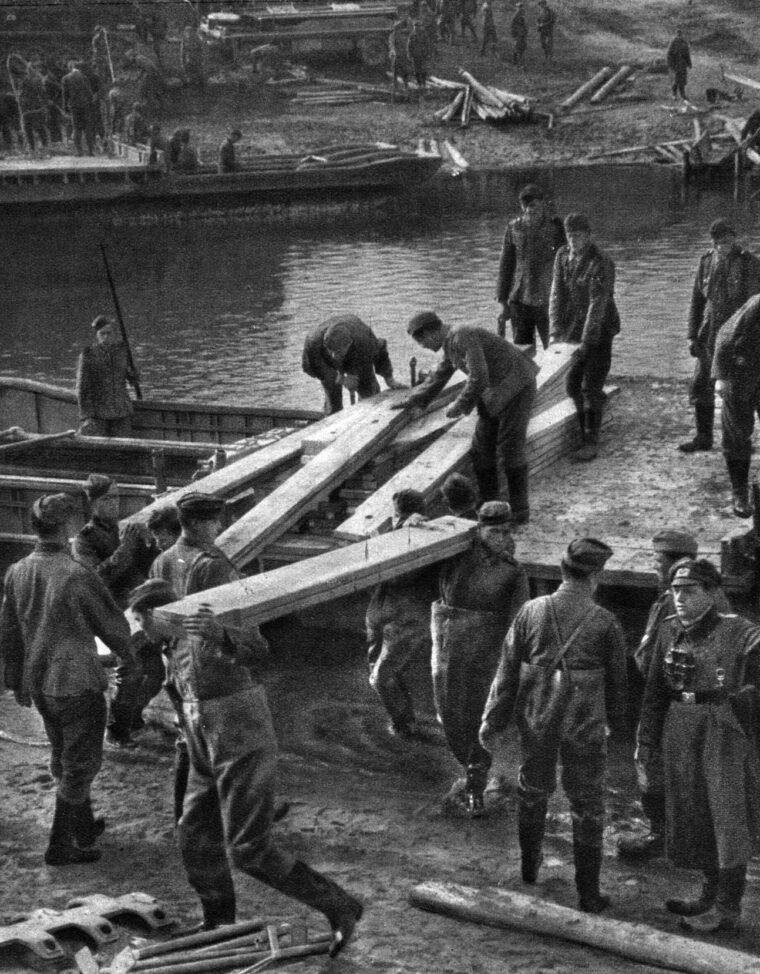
<point x="638" y="941"/>
<point x="446" y="454"/>
<point x="329" y="576"/>
<point x="370" y="431"/>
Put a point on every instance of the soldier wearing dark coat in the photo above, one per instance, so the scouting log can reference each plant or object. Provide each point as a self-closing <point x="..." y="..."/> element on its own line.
<point x="34" y="107"/>
<point x="344" y="352"/>
<point x="227" y="160"/>
<point x="77" y="101"/>
<point x="582" y="309"/>
<point x="726" y="277"/>
<point x="103" y="372"/>
<point x="490" y="38"/>
<point x="398" y="626"/>
<point x="419" y="52"/>
<point x="545" y="21"/>
<point x="518" y="29"/>
<point x="468" y="11"/>
<point x="562" y="675"/>
<point x="531" y="242"/>
<point x="52" y="610"/>
<point x="501" y="385"/>
<point x="136" y="129"/>
<point x="736" y="372"/>
<point x="480" y="592"/>
<point x="699" y="713"/>
<point x="679" y="62"/>
<point x="229" y="803"/>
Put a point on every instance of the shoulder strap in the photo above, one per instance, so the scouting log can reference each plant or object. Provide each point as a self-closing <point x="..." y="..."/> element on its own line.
<point x="558" y="657"/>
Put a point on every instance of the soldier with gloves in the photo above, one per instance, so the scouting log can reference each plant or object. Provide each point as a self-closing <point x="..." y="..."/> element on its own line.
<point x="562" y="675"/>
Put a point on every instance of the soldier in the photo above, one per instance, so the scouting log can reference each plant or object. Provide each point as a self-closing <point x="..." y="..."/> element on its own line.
<point x="103" y="371"/>
<point x="501" y="384"/>
<point x="700" y="699"/>
<point x="480" y="593"/>
<point x="33" y="102"/>
<point x="563" y="676"/>
<point x="726" y="277"/>
<point x="398" y="626"/>
<point x="136" y="130"/>
<point x="545" y="21"/>
<point x="77" y="101"/>
<point x="531" y="242"/>
<point x="158" y="147"/>
<point x="191" y="57"/>
<point x="736" y="373"/>
<point x="459" y="496"/>
<point x="679" y="62"/>
<point x="419" y="51"/>
<point x="227" y="160"/>
<point x="150" y="86"/>
<point x="52" y="610"/>
<point x="397" y="51"/>
<point x="490" y="38"/>
<point x="518" y="29"/>
<point x="468" y="11"/>
<point x="229" y="804"/>
<point x="344" y="352"/>
<point x="582" y="309"/>
<point x="446" y="19"/>
<point x="187" y="157"/>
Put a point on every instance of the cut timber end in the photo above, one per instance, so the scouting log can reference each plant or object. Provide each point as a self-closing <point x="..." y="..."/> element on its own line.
<point x="637" y="941"/>
<point x="277" y="593"/>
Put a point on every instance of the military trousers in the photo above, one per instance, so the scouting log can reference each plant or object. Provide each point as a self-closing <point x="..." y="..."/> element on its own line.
<point x="499" y="441"/>
<point x="74" y="726"/>
<point x="586" y="378"/>
<point x="527" y="321"/>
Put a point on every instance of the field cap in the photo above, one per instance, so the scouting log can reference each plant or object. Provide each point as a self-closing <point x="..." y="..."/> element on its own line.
<point x="200" y="505"/>
<point x="100" y="322"/>
<point x="695" y="571"/>
<point x="422" y="320"/>
<point x="674" y="541"/>
<point x="577" y="222"/>
<point x="154" y="592"/>
<point x="586" y="555"/>
<point x="494" y="512"/>
<point x="721" y="228"/>
<point x="53" y="510"/>
<point x="531" y="192"/>
<point x="97" y="485"/>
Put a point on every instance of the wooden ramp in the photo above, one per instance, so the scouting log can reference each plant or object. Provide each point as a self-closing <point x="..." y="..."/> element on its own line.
<point x="548" y="436"/>
<point x="370" y="430"/>
<point x="329" y="576"/>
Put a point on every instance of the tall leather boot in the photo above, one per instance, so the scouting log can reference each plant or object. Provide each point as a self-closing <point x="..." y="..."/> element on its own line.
<point x="652" y="845"/>
<point x="87" y="828"/>
<point x="517" y="481"/>
<point x="531" y="823"/>
<point x="588" y="867"/>
<point x="219" y="909"/>
<point x="317" y="891"/>
<point x="738" y="472"/>
<point x="476" y="777"/>
<point x="727" y="910"/>
<point x="61" y="850"/>
<point x="704" y="417"/>
<point x="590" y="448"/>
<point x="702" y="903"/>
<point x="181" y="773"/>
<point x="488" y="483"/>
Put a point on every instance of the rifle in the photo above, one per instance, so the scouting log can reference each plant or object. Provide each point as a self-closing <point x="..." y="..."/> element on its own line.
<point x="117" y="306"/>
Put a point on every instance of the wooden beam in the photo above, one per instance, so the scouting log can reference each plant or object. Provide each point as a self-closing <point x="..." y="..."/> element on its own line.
<point x="637" y="941"/>
<point x="623" y="72"/>
<point x="742" y="79"/>
<point x="370" y="431"/>
<point x="343" y="571"/>
<point x="585" y="89"/>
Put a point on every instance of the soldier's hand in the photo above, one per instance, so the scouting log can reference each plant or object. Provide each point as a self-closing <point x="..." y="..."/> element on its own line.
<point x="454" y="411"/>
<point x="393" y="383"/>
<point x="205" y="625"/>
<point x="721" y="387"/>
<point x="694" y="349"/>
<point x="501" y="323"/>
<point x="350" y="382"/>
<point x="580" y="353"/>
<point x="135" y="534"/>
<point x="22" y="698"/>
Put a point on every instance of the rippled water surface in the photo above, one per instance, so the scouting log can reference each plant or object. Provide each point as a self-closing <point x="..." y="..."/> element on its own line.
<point x="217" y="309"/>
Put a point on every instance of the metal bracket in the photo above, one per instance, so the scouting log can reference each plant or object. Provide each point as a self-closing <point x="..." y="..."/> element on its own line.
<point x="35" y="931"/>
<point x="143" y="906"/>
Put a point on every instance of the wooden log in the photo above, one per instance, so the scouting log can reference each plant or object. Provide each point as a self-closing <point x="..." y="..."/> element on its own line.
<point x="466" y="108"/>
<point x="623" y="72"/>
<point x="454" y="107"/>
<point x="585" y="89"/>
<point x="510" y="100"/>
<point x="370" y="431"/>
<point x="34" y="440"/>
<point x="637" y="941"/>
<point x="486" y="97"/>
<point x="741" y="79"/>
<point x="630" y="149"/>
<point x="332" y="575"/>
<point x="456" y="157"/>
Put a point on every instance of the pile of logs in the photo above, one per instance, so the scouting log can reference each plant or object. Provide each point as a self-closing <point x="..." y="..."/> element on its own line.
<point x="597" y="89"/>
<point x="471" y="98"/>
<point x="326" y="91"/>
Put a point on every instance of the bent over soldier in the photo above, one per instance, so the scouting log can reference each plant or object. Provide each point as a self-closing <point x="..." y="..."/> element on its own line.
<point x="563" y="676"/>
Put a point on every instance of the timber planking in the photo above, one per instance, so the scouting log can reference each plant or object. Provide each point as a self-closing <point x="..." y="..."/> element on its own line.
<point x="332" y="575"/>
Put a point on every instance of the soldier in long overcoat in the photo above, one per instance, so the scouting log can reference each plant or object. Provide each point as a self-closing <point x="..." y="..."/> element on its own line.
<point x="562" y="674"/>
<point x="103" y="372"/>
<point x="699" y="713"/>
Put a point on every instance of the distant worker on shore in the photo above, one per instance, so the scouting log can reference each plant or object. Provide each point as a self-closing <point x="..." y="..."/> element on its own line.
<point x="227" y="160"/>
<point x="562" y="675"/>
<point x="582" y="310"/>
<point x="531" y="242"/>
<point x="150" y="85"/>
<point x="398" y="53"/>
<point x="136" y="128"/>
<point x="78" y="102"/>
<point x="52" y="610"/>
<point x="103" y="372"/>
<point x="546" y="19"/>
<point x="187" y="157"/>
<point x="736" y="372"/>
<point x="419" y="51"/>
<point x="468" y="12"/>
<point x="480" y="593"/>
<point x="679" y="62"/>
<point x="191" y="57"/>
<point x="726" y="277"/>
<point x="501" y="385"/>
<point x="343" y="352"/>
<point x="158" y="147"/>
<point x="490" y="37"/>
<point x="518" y="29"/>
<point x="34" y="106"/>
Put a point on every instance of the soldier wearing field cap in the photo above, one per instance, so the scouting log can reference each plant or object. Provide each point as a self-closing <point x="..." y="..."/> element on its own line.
<point x="103" y="372"/>
<point x="727" y="276"/>
<point x="52" y="610"/>
<point x="501" y="385"/>
<point x="526" y="265"/>
<point x="582" y="311"/>
<point x="562" y="675"/>
<point x="458" y="494"/>
<point x="700" y="701"/>
<point x="343" y="352"/>
<point x="480" y="591"/>
<point x="228" y="808"/>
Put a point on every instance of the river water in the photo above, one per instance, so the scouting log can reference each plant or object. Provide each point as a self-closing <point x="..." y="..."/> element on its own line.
<point x="217" y="308"/>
